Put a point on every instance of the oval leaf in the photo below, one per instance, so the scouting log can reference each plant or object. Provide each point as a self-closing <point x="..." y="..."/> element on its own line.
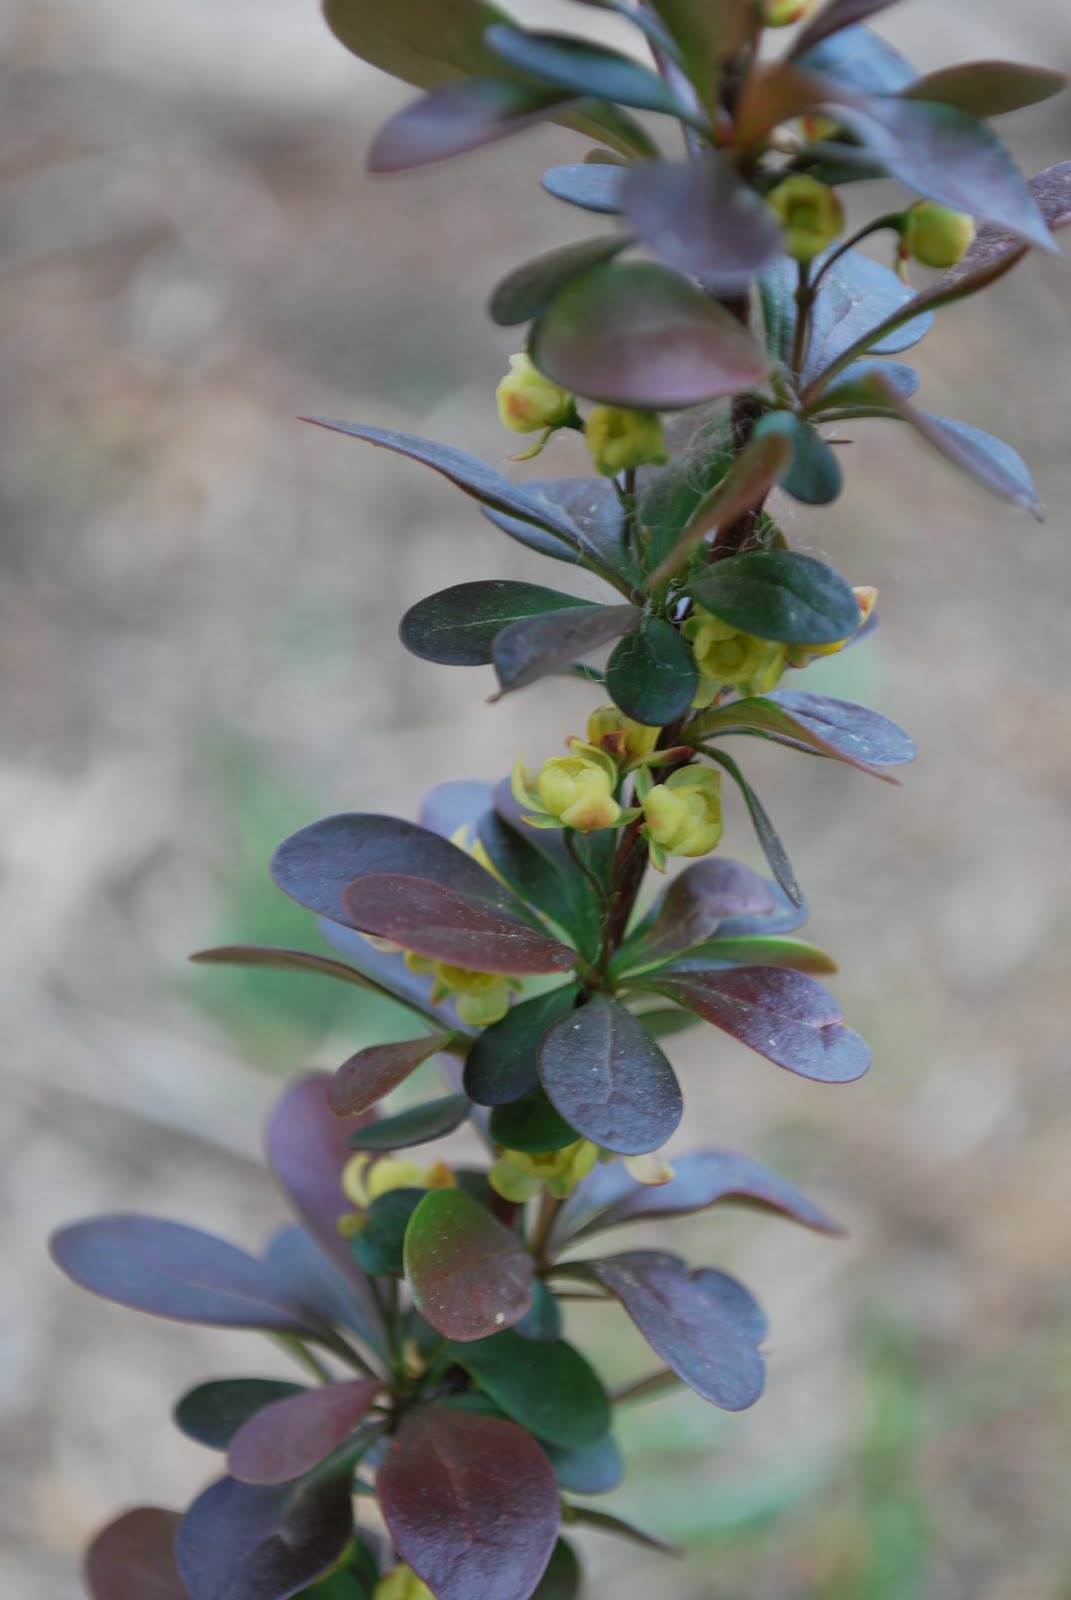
<point x="609" y="1080"/>
<point x="456" y="117"/>
<point x="530" y="1124"/>
<point x="502" y="1063"/>
<point x="457" y="626"/>
<point x="290" y="1437"/>
<point x="471" y="1504"/>
<point x="783" y="1015"/>
<point x="636" y="334"/>
<point x="701" y="218"/>
<point x="591" y="185"/>
<point x="813" y="474"/>
<point x="417" y="1125"/>
<point x="469" y="1276"/>
<point x="695" y="903"/>
<point x="833" y="17"/>
<point x="213" y="1412"/>
<point x="374" y="1071"/>
<point x="133" y="1558"/>
<point x="580" y="68"/>
<point x="545" y="1385"/>
<point x="988" y="88"/>
<point x="523" y="294"/>
<point x="781" y="595"/>
<point x="651" y="674"/>
<point x="535" y="648"/>
<point x="249" y="1542"/>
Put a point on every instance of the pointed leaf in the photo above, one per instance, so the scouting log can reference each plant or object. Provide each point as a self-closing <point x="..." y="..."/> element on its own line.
<point x="767" y="835"/>
<point x="469" y="1276"/>
<point x="833" y="17"/>
<point x="530" y="1124"/>
<point x="536" y="647"/>
<point x="788" y="1018"/>
<point x="779" y="594"/>
<point x="293" y="1435"/>
<point x="995" y="250"/>
<point x="212" y="1413"/>
<point x="601" y="526"/>
<point x="472" y="476"/>
<point x="757" y="950"/>
<point x="280" y="960"/>
<point x="546" y="1386"/>
<point x="710" y="1346"/>
<point x="457" y="626"/>
<point x="988" y="88"/>
<point x="133" y="1558"/>
<point x="524" y="293"/>
<point x="417" y="1125"/>
<point x="860" y="385"/>
<point x="375" y="1071"/>
<point x="695" y="903"/>
<point x="636" y="334"/>
<point x="609" y="1079"/>
<point x="591" y="185"/>
<point x="258" y="1543"/>
<point x="813" y="474"/>
<point x="459" y="929"/>
<point x="702" y="218"/>
<point x="814" y="723"/>
<point x="502" y="1064"/>
<point x="619" y="1528"/>
<point x="651" y="675"/>
<point x="454" y="118"/>
<point x="579" y="67"/>
<point x="471" y="1504"/>
<point x="858" y="57"/>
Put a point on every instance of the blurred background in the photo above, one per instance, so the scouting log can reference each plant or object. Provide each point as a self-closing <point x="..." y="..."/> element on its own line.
<point x="198" y="654"/>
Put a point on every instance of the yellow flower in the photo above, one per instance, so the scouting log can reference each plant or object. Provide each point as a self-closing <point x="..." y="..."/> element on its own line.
<point x="365" y="1177"/>
<point x="620" y="440"/>
<point x="801" y="655"/>
<point x="517" y="1175"/>
<point x="811" y="212"/>
<point x="782" y="13"/>
<point x="936" y="235"/>
<point x="479" y="997"/>
<point x="610" y="730"/>
<point x="573" y="791"/>
<point x="726" y="656"/>
<point x="527" y="401"/>
<point x="402" y="1584"/>
<point x="683" y="815"/>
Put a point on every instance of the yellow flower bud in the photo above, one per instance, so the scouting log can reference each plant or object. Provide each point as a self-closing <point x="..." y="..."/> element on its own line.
<point x="365" y="1177"/>
<point x="683" y="815"/>
<point x="573" y="791"/>
<point x="817" y="129"/>
<point x="936" y="235"/>
<point x="527" y="401"/>
<point x="782" y="13"/>
<point x="811" y="212"/>
<point x="653" y="1170"/>
<point x="620" y="440"/>
<point x="610" y="730"/>
<point x="402" y="1584"/>
<point x="801" y="655"/>
<point x="518" y="1175"/>
<point x="725" y="656"/>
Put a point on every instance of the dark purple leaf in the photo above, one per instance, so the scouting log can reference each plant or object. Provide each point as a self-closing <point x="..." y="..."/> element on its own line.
<point x="637" y="334"/>
<point x="281" y="960"/>
<point x="471" y="475"/>
<point x="536" y="647"/>
<point x="250" y="1542"/>
<point x="591" y="185"/>
<point x="212" y="1413"/>
<point x="293" y="1435"/>
<point x="789" y="915"/>
<point x="579" y="67"/>
<point x="456" y="117"/>
<point x="651" y="675"/>
<point x="456" y="928"/>
<point x="695" y="903"/>
<point x="303" y="1270"/>
<point x="471" y="1504"/>
<point x="524" y="293"/>
<point x="502" y="1065"/>
<point x="836" y="729"/>
<point x="783" y="1015"/>
<point x="133" y="1558"/>
<point x="833" y="17"/>
<point x="469" y="1276"/>
<point x="737" y="1302"/>
<point x="759" y="950"/>
<point x="170" y="1270"/>
<point x="858" y="57"/>
<point x="608" y="1079"/>
<point x="457" y="626"/>
<point x="710" y="1346"/>
<point x="995" y="250"/>
<point x="601" y="529"/>
<point x="987" y="88"/>
<point x="374" y="1071"/>
<point x="416" y="1125"/>
<point x="545" y="1385"/>
<point x="458" y="803"/>
<point x="700" y="1179"/>
<point x="703" y="219"/>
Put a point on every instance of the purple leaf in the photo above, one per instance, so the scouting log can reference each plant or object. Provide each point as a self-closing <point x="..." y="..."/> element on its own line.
<point x="388" y="968"/>
<point x="536" y="647"/>
<point x="609" y="1079"/>
<point x="695" y="903"/>
<point x="293" y="1435"/>
<point x="133" y="1558"/>
<point x="468" y="1274"/>
<point x="736" y="1302"/>
<point x="306" y="1274"/>
<point x="471" y="1504"/>
<point x="636" y="334"/>
<point x="703" y="219"/>
<point x="373" y="1072"/>
<point x="783" y="1015"/>
<point x="452" y="927"/>
<point x="591" y="185"/>
<point x="593" y="505"/>
<point x="523" y="294"/>
<point x="836" y="729"/>
<point x="835" y="16"/>
<point x="987" y="88"/>
<point x="711" y="1346"/>
<point x="458" y="803"/>
<point x="275" y="959"/>
<point x="459" y="116"/>
<point x="249" y="1542"/>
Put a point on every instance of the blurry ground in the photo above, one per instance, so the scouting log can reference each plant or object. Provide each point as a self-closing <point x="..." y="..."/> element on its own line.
<point x="197" y="653"/>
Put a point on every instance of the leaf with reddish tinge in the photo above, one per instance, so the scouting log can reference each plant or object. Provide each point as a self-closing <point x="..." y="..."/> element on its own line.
<point x="527" y="289"/>
<point x="781" y="1014"/>
<point x="469" y="1275"/>
<point x="696" y="902"/>
<point x="454" y="118"/>
<point x="291" y="1436"/>
<point x="833" y="18"/>
<point x="373" y="1072"/>
<point x="471" y="1504"/>
<point x="702" y="218"/>
<point x="445" y="926"/>
<point x="814" y="723"/>
<point x="254" y="1542"/>
<point x="609" y="1079"/>
<point x="987" y="88"/>
<point x="133" y="1558"/>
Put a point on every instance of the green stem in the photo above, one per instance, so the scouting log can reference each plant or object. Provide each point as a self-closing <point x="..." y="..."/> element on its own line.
<point x="549" y="1207"/>
<point x="299" y="1350"/>
<point x="804" y="301"/>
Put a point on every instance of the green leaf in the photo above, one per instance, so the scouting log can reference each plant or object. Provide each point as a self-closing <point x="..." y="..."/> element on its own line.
<point x="501" y="1065"/>
<point x="636" y="334"/>
<point x="757" y="951"/>
<point x="529" y="872"/>
<point x="562" y="1579"/>
<point x="651" y="674"/>
<point x="531" y="1124"/>
<point x="813" y="474"/>
<point x="781" y="595"/>
<point x="528" y="289"/>
<point x="606" y="1522"/>
<point x="988" y="88"/>
<point x="588" y="70"/>
<point x="469" y="1275"/>
<point x="379" y="1248"/>
<point x="546" y="1386"/>
<point x="457" y="626"/>
<point x="416" y="1125"/>
<point x="212" y="1413"/>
